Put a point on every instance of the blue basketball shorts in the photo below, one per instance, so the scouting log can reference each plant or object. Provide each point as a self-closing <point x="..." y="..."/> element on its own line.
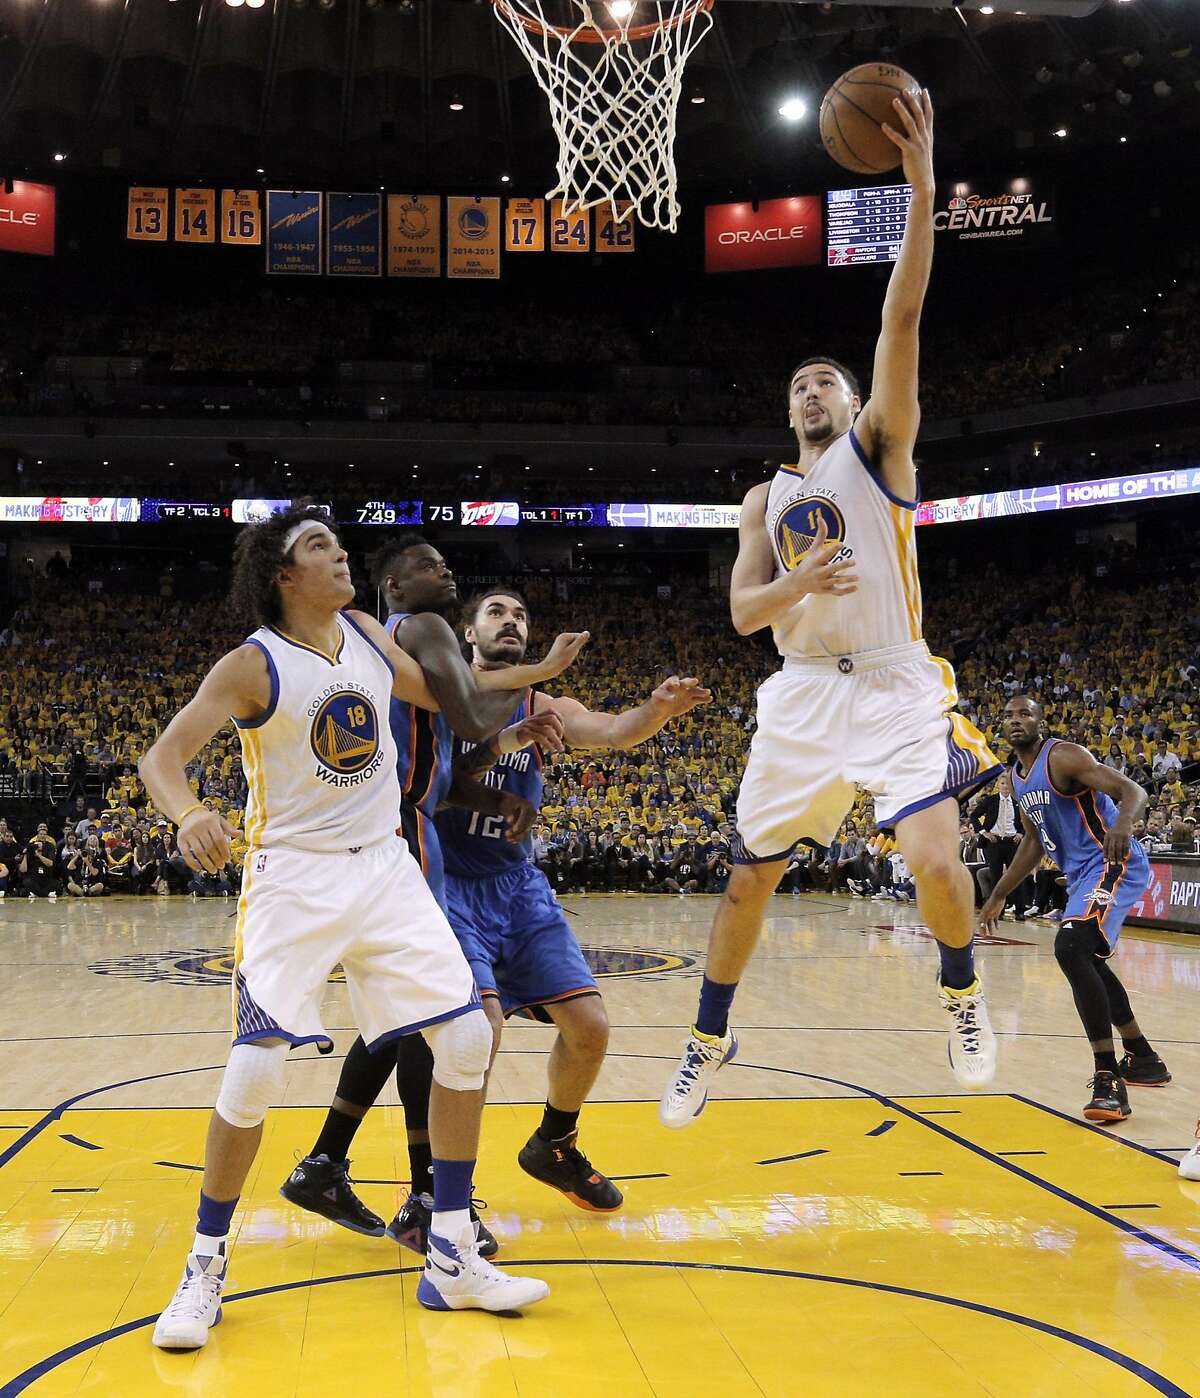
<point x="1106" y="892"/>
<point x="516" y="940"/>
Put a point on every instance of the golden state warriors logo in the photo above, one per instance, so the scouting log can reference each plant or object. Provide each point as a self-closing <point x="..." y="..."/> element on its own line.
<point x="796" y="527"/>
<point x="344" y="735"/>
<point x="473" y="222"/>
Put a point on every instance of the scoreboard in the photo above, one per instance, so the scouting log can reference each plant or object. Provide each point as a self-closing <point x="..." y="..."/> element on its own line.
<point x="866" y="225"/>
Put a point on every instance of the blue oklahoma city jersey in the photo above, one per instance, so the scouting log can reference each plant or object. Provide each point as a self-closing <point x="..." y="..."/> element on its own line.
<point x="473" y="845"/>
<point x="424" y="753"/>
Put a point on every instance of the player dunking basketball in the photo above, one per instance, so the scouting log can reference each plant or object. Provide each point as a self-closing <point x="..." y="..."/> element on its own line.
<point x="1082" y="815"/>
<point x="326" y="880"/>
<point x="827" y="559"/>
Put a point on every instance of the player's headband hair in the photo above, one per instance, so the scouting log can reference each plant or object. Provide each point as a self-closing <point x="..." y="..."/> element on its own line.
<point x="298" y="531"/>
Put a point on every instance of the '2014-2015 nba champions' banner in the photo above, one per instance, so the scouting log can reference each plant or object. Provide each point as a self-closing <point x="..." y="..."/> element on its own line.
<point x="414" y="235"/>
<point x="472" y="237"/>
<point x="354" y="240"/>
<point x="294" y="232"/>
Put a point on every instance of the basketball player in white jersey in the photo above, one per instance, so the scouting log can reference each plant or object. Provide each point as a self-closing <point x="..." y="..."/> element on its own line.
<point x="326" y="880"/>
<point x="827" y="559"/>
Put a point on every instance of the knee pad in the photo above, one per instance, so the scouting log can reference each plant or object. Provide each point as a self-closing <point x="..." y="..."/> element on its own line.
<point x="462" y="1048"/>
<point x="253" y="1081"/>
<point x="1079" y="937"/>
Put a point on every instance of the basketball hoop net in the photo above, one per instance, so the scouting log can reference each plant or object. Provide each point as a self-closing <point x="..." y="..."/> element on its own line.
<point x="613" y="87"/>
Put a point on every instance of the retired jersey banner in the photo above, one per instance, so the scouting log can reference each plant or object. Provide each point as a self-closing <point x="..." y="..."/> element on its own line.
<point x="241" y="217"/>
<point x="355" y="237"/>
<point x="570" y="234"/>
<point x="294" y="232"/>
<point x="414" y="235"/>
<point x="779" y="233"/>
<point x="146" y="219"/>
<point x="472" y="237"/>
<point x="525" y="225"/>
<point x="195" y="216"/>
<point x="27" y="219"/>
<point x="614" y="227"/>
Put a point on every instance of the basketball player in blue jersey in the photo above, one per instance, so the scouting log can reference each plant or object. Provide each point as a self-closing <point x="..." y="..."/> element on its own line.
<point x="827" y="559"/>
<point x="421" y="595"/>
<point x="1082" y="815"/>
<point x="503" y="910"/>
<point x="326" y="880"/>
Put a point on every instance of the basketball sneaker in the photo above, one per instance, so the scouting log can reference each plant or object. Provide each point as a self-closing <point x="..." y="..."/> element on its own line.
<point x="410" y="1227"/>
<point x="1110" y="1101"/>
<point x="565" y="1168"/>
<point x="1146" y="1071"/>
<point x="972" y="1048"/>
<point x="686" y="1095"/>
<point x="196" y="1306"/>
<point x="322" y="1186"/>
<point x="1189" y="1166"/>
<point x="457" y="1278"/>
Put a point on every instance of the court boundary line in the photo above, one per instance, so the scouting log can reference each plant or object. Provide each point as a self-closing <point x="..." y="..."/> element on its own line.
<point x="1151" y="1377"/>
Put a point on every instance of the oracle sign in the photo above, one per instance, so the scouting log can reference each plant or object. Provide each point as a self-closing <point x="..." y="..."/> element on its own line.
<point x="779" y="233"/>
<point x="27" y="219"/>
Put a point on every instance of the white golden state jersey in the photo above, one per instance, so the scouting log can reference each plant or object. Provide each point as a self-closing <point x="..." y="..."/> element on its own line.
<point x="321" y="762"/>
<point x="876" y="532"/>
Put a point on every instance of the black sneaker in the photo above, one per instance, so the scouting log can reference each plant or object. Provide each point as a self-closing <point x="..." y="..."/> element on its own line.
<point x="1147" y="1071"/>
<point x="1110" y="1101"/>
<point x="562" y="1167"/>
<point x="410" y="1227"/>
<point x="322" y="1186"/>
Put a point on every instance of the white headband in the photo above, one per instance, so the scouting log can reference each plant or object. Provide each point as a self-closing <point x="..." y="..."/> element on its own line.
<point x="298" y="531"/>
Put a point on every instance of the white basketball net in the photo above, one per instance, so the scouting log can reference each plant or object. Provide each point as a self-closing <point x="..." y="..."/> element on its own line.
<point x="614" y="87"/>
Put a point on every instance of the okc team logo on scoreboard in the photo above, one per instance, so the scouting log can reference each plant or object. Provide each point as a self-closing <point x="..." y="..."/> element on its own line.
<point x="473" y="222"/>
<point x="344" y="736"/>
<point x="491" y="512"/>
<point x="796" y="528"/>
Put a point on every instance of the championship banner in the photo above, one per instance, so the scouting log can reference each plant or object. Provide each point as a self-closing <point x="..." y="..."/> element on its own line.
<point x="570" y="234"/>
<point x="241" y="217"/>
<point x="1018" y="211"/>
<point x="354" y="238"/>
<point x="615" y="227"/>
<point x="779" y="233"/>
<point x="195" y="215"/>
<point x="472" y="237"/>
<point x="414" y="234"/>
<point x="294" y="232"/>
<point x="525" y="225"/>
<point x="146" y="219"/>
<point x="27" y="219"/>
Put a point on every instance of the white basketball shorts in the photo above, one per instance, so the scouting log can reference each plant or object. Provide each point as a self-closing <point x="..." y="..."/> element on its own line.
<point x="300" y="914"/>
<point x="881" y="720"/>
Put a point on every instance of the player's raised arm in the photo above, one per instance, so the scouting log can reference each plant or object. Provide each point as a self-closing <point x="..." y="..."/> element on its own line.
<point x="472" y="712"/>
<point x="561" y="655"/>
<point x="237" y="686"/>
<point x="1071" y="763"/>
<point x="756" y="597"/>
<point x="583" y="728"/>
<point x="887" y="426"/>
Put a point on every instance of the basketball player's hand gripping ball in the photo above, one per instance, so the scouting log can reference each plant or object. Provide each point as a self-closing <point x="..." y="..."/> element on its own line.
<point x="914" y="137"/>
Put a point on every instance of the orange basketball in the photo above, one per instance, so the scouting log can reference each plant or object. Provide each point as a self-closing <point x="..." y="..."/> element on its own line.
<point x="851" y="113"/>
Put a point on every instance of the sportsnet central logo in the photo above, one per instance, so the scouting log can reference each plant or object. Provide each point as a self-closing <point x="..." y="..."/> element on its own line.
<point x="491" y="512"/>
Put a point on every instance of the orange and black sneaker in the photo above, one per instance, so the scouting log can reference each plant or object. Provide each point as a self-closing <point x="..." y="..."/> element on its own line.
<point x="1147" y="1070"/>
<point x="560" y="1165"/>
<point x="1110" y="1101"/>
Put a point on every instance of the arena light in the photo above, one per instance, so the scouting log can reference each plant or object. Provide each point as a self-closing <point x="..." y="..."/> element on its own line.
<point x="59" y="157"/>
<point x="235" y="4"/>
<point x="620" y="9"/>
<point x="456" y="103"/>
<point x="1061" y="133"/>
<point x="793" y="109"/>
<point x="255" y="4"/>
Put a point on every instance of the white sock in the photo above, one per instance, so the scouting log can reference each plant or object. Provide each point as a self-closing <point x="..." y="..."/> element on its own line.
<point x="205" y="1246"/>
<point x="450" y="1223"/>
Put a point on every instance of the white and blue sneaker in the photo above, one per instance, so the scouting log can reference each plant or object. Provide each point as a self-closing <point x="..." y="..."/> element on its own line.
<point x="1189" y="1166"/>
<point x="196" y="1306"/>
<point x="972" y="1047"/>
<point x="456" y="1278"/>
<point x="687" y="1093"/>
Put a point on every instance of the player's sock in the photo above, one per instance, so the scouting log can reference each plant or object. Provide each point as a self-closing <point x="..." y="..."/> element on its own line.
<point x="958" y="965"/>
<point x="1139" y="1047"/>
<point x="213" y="1218"/>
<point x="712" y="1018"/>
<point x="451" y="1197"/>
<point x="1105" y="1062"/>
<point x="362" y="1078"/>
<point x="420" y="1161"/>
<point x="557" y="1125"/>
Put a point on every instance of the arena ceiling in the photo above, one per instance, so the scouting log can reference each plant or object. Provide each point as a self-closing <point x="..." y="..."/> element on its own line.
<point x="331" y="92"/>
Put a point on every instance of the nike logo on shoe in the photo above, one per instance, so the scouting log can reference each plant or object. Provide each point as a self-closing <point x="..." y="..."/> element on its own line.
<point x="446" y="1271"/>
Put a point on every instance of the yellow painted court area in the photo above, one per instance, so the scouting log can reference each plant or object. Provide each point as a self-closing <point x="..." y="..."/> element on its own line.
<point x="812" y="1234"/>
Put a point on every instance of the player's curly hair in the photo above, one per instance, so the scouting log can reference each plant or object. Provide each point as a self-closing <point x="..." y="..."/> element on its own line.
<point x="258" y="557"/>
<point x="848" y="374"/>
<point x="383" y="561"/>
